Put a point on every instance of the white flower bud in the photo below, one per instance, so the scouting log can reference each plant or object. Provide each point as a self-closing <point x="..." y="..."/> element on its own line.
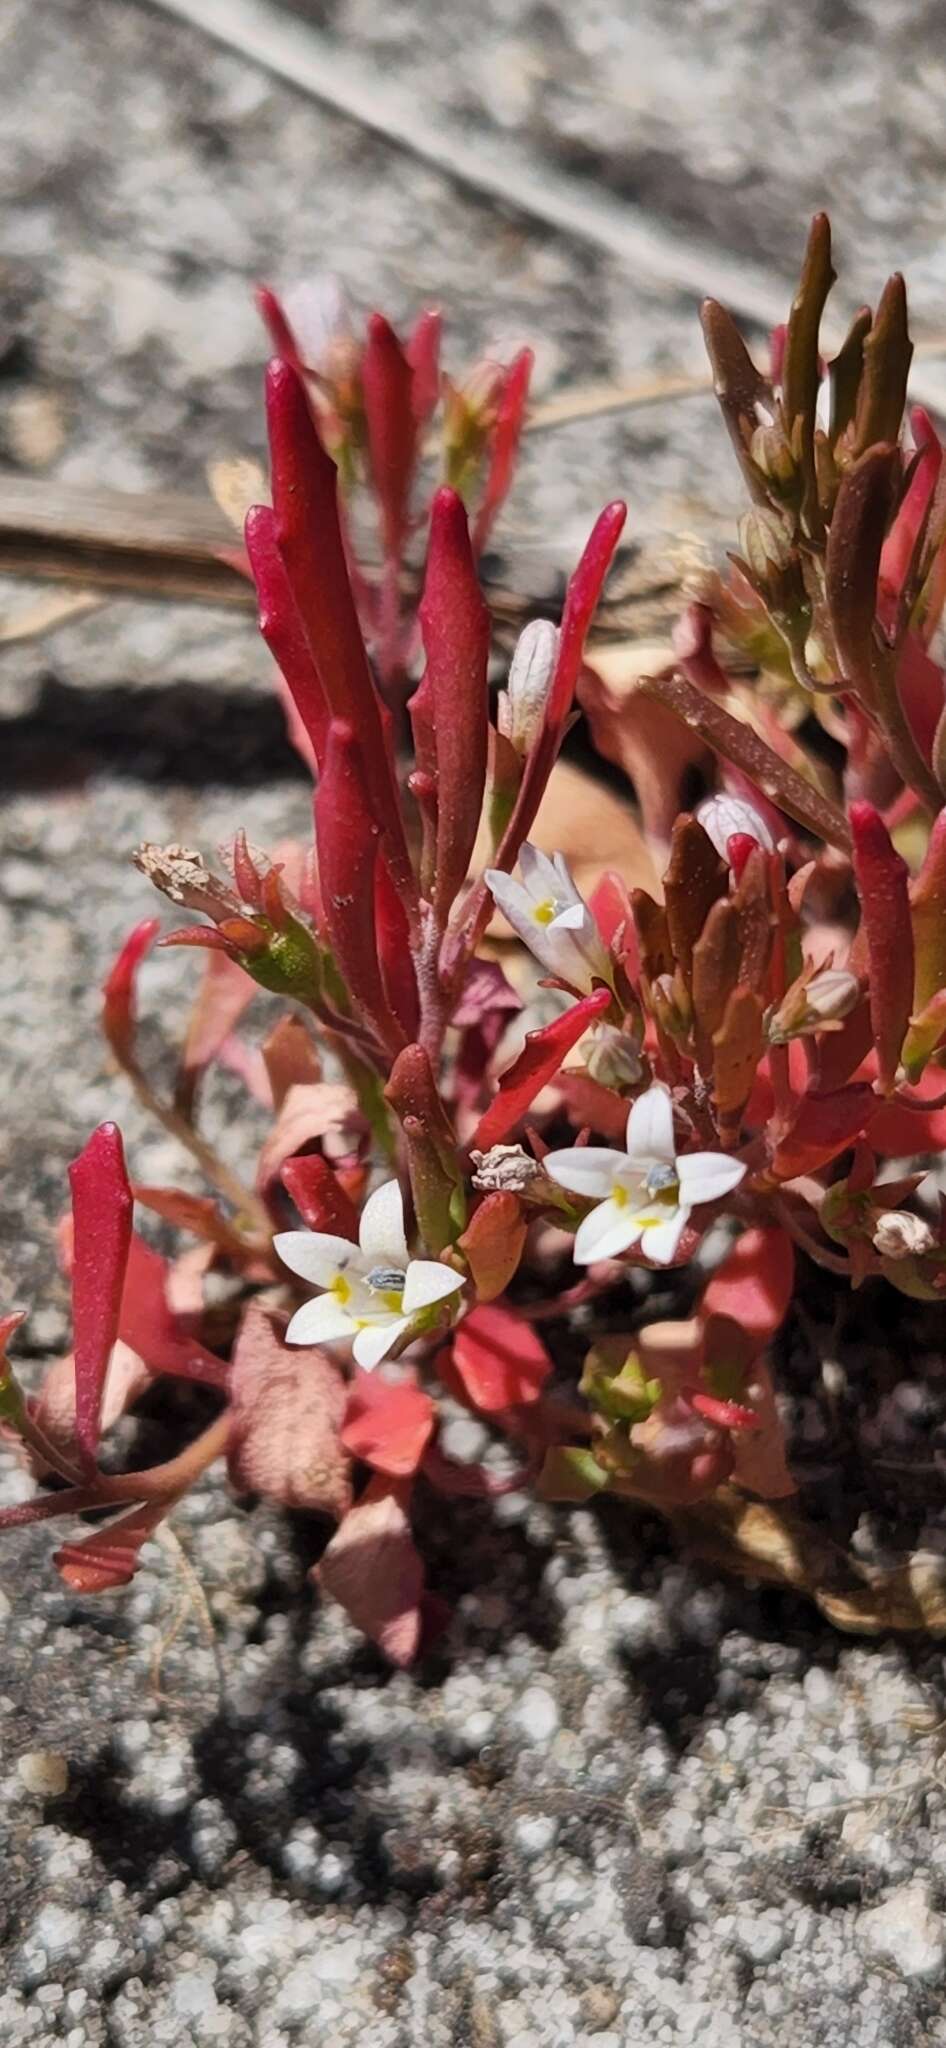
<point x="722" y="817"/>
<point x="816" y="1005"/>
<point x="899" y="1235"/>
<point x="613" y="1058"/>
<point x="522" y="703"/>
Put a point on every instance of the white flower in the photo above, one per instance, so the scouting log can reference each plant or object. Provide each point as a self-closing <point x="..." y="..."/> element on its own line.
<point x="551" y="918"/>
<point x="521" y="707"/>
<point x="722" y="816"/>
<point x="644" y="1195"/>
<point x="373" y="1290"/>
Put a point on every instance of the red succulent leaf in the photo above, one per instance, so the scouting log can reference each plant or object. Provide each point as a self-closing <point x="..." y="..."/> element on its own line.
<point x="109" y="1557"/>
<point x="277" y="325"/>
<point x="319" y="1196"/>
<point x="347" y="835"/>
<point x="613" y="912"/>
<point x="753" y="1285"/>
<point x="288" y="1407"/>
<point x="537" y="1064"/>
<point x="394" y="953"/>
<point x="581" y="600"/>
<point x="373" y="1569"/>
<point x="455" y="625"/>
<point x="119" y="990"/>
<point x="823" y="1126"/>
<point x="283" y="631"/>
<point x="388" y="387"/>
<point x="102" y="1207"/>
<point x="309" y="539"/>
<point x="499" y="1360"/>
<point x="897" y="552"/>
<point x="883" y="887"/>
<point x="505" y="437"/>
<point x="723" y="1414"/>
<point x="493" y="1244"/>
<point x="928" y="914"/>
<point x="388" y="1427"/>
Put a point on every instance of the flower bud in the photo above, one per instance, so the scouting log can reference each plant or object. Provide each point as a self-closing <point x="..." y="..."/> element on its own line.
<point x="724" y="817"/>
<point x="521" y="708"/>
<point x="765" y="538"/>
<point x="772" y="455"/>
<point x="614" y="1058"/>
<point x="899" y="1235"/>
<point x="819" y="1004"/>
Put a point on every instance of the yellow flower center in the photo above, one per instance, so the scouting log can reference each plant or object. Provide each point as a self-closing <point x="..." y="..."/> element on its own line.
<point x="341" y="1289"/>
<point x="545" y="913"/>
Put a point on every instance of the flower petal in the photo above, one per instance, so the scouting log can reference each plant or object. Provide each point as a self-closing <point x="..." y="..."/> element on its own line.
<point x="589" y="1170"/>
<point x="540" y="875"/>
<point x="567" y="891"/>
<point x="322" y="1321"/>
<point x="650" y="1128"/>
<point x="381" y="1232"/>
<point x="660" y="1240"/>
<point x="573" y="918"/>
<point x="610" y="1229"/>
<point x="704" y="1176"/>
<point x="428" y="1281"/>
<point x="374" y="1343"/>
<point x="316" y="1256"/>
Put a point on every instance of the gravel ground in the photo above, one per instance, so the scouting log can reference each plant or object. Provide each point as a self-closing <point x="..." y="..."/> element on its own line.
<point x="624" y="1803"/>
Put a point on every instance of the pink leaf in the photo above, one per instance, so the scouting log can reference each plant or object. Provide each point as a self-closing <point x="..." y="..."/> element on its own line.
<point x="500" y="1361"/>
<point x="225" y="992"/>
<point x="753" y="1286"/>
<point x="55" y="1410"/>
<point x="197" y="1213"/>
<point x="374" y="1571"/>
<point x="102" y="1212"/>
<point x="759" y="1462"/>
<point x="309" y="1113"/>
<point x="537" y="1064"/>
<point x="388" y="1427"/>
<point x="288" y="1407"/>
<point x="423" y="354"/>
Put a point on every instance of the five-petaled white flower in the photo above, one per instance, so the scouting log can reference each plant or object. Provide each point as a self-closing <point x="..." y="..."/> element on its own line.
<point x="374" y="1290"/>
<point x="551" y="918"/>
<point x="644" y="1195"/>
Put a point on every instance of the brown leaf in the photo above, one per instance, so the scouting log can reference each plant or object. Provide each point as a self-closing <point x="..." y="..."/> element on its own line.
<point x="888" y="352"/>
<point x="737" y="1050"/>
<point x="738" y="385"/>
<point x="716" y="959"/>
<point x="756" y="923"/>
<point x="374" y="1571"/>
<point x="695" y="879"/>
<point x="801" y="369"/>
<point x="291" y="1058"/>
<point x="759" y="1462"/>
<point x="288" y="1407"/>
<point x="852" y="561"/>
